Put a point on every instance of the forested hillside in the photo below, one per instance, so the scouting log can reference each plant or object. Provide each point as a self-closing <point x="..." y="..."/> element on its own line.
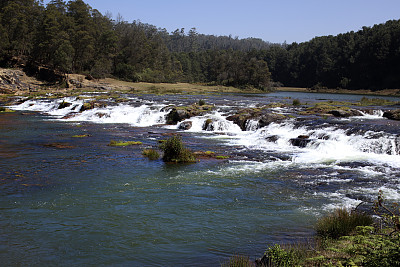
<point x="74" y="37"/>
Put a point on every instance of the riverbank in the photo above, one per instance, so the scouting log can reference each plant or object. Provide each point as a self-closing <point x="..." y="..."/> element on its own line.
<point x="16" y="82"/>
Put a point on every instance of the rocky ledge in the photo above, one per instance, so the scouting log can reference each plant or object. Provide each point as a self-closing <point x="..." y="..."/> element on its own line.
<point x="262" y="116"/>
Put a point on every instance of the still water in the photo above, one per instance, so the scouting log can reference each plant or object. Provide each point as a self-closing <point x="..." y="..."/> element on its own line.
<point x="82" y="202"/>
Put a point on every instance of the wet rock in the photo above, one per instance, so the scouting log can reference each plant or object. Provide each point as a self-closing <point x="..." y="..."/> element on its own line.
<point x="272" y="138"/>
<point x="262" y="116"/>
<point x="102" y="115"/>
<point x="178" y="114"/>
<point x="64" y="105"/>
<point x="207" y="126"/>
<point x="301" y="141"/>
<point x="186" y="125"/>
<point x="92" y="105"/>
<point x="345" y="113"/>
<point x="269" y="118"/>
<point x="392" y="114"/>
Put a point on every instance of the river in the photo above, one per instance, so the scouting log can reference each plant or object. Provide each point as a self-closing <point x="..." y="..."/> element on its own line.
<point x="68" y="201"/>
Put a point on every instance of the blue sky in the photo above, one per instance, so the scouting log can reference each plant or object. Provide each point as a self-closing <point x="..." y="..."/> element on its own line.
<point x="275" y="21"/>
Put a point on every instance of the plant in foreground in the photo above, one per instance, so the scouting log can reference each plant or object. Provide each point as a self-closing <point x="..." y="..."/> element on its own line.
<point x="341" y="222"/>
<point x="175" y="151"/>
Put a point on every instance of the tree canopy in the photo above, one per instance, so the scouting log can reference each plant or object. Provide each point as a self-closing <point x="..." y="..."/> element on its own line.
<point x="73" y="37"/>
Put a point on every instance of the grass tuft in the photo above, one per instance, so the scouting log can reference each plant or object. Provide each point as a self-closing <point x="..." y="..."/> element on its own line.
<point x="152" y="154"/>
<point x="124" y="143"/>
<point x="341" y="223"/>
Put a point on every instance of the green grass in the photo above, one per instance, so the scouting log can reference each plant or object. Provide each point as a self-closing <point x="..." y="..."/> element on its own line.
<point x="151" y="154"/>
<point x="222" y="157"/>
<point x="343" y="238"/>
<point x="340" y="223"/>
<point x="80" y="136"/>
<point x="124" y="143"/>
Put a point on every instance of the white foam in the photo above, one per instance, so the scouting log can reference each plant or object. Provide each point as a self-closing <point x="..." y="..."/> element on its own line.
<point x="141" y="116"/>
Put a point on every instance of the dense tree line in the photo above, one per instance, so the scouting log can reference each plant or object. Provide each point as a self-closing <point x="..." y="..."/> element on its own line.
<point x="73" y="37"/>
<point x="367" y="59"/>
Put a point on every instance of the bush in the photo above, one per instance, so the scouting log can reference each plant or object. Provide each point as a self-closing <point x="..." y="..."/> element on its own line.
<point x="175" y="151"/>
<point x="202" y="102"/>
<point x="152" y="154"/>
<point x="341" y="223"/>
<point x="296" y="102"/>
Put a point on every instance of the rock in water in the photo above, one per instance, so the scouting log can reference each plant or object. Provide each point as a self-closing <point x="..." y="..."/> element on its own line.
<point x="186" y="125"/>
<point x="392" y="114"/>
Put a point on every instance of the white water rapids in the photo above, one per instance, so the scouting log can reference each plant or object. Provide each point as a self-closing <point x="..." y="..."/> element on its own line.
<point x="372" y="154"/>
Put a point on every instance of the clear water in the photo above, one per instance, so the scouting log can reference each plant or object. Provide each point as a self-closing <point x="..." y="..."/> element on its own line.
<point x="92" y="204"/>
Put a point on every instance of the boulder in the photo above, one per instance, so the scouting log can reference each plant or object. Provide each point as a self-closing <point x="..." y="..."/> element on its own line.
<point x="186" y="125"/>
<point x="261" y="115"/>
<point x="301" y="141"/>
<point x="345" y="113"/>
<point x="392" y="114"/>
<point x="178" y="114"/>
<point x="64" y="105"/>
<point x="272" y="138"/>
<point x="207" y="126"/>
<point x="92" y="105"/>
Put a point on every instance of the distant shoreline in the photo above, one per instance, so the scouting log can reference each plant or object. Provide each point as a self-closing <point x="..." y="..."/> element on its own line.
<point x="385" y="92"/>
<point x="77" y="84"/>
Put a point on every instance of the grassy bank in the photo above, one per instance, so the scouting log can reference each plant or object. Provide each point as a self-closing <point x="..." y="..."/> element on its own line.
<point x="343" y="238"/>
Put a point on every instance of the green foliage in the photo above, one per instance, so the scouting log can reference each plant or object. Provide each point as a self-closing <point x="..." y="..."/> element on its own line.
<point x="367" y="59"/>
<point x="341" y="222"/>
<point x="281" y="257"/>
<point x="175" y="151"/>
<point x="296" y="102"/>
<point x="74" y="37"/>
<point x="201" y="102"/>
<point x="152" y="154"/>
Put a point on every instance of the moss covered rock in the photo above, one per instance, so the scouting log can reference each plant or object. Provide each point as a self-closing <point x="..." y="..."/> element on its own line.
<point x="181" y="113"/>
<point x="263" y="116"/>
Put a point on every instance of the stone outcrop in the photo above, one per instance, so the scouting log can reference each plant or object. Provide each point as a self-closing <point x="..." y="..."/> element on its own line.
<point x="186" y="125"/>
<point x="301" y="141"/>
<point x="345" y="113"/>
<point x="92" y="105"/>
<point x="10" y="81"/>
<point x="392" y="114"/>
<point x="181" y="113"/>
<point x="263" y="116"/>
